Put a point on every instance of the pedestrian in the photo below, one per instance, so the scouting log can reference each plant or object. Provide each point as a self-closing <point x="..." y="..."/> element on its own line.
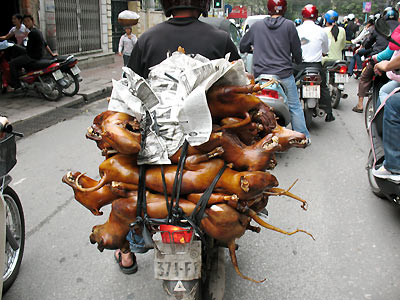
<point x="315" y="44"/>
<point x="152" y="47"/>
<point x="274" y="41"/>
<point x="126" y="44"/>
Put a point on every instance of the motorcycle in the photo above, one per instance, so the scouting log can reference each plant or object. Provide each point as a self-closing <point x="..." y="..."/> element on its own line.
<point x="71" y="72"/>
<point x="308" y="83"/>
<point x="43" y="76"/>
<point x="11" y="212"/>
<point x="383" y="188"/>
<point x="349" y="51"/>
<point x="273" y="93"/>
<point x="337" y="77"/>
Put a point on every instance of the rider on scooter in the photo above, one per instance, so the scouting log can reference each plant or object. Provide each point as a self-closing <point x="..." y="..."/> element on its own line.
<point x="34" y="51"/>
<point x="283" y="43"/>
<point x="185" y="30"/>
<point x="315" y="44"/>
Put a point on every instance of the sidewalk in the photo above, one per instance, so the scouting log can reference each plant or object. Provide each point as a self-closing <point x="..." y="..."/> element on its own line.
<point x="96" y="84"/>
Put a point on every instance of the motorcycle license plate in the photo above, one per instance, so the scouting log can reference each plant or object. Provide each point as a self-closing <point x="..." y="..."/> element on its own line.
<point x="58" y="75"/>
<point x="177" y="261"/>
<point x="75" y="70"/>
<point x="311" y="91"/>
<point x="348" y="53"/>
<point x="341" y="78"/>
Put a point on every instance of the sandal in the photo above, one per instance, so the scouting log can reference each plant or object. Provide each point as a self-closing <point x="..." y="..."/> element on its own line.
<point x="357" y="110"/>
<point x="126" y="270"/>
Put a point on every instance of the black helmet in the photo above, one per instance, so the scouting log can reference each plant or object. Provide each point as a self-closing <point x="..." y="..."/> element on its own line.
<point x="390" y="13"/>
<point x="202" y="5"/>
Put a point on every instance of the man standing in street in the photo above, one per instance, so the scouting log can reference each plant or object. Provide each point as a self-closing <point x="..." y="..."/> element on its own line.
<point x="315" y="44"/>
<point x="275" y="41"/>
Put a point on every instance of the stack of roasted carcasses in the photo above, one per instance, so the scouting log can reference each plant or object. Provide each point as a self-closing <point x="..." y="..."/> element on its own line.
<point x="244" y="138"/>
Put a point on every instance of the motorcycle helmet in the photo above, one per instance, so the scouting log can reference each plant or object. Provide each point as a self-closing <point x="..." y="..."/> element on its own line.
<point x="277" y="7"/>
<point x="331" y="16"/>
<point x="297" y="22"/>
<point x="309" y="11"/>
<point x="390" y="13"/>
<point x="202" y="5"/>
<point x="320" y="21"/>
<point x="351" y="17"/>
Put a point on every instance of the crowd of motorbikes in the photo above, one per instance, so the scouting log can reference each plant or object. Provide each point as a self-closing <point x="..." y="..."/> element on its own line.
<point x="50" y="78"/>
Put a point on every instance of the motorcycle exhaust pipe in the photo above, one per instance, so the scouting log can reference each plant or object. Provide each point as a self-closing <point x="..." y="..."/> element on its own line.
<point x="344" y="96"/>
<point x="320" y="112"/>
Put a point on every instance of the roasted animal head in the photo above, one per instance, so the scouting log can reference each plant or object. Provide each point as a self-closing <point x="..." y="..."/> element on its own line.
<point x="289" y="138"/>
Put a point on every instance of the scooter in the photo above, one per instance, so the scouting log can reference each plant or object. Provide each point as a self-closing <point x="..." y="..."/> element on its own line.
<point x="12" y="219"/>
<point x="43" y="76"/>
<point x="337" y="77"/>
<point x="308" y="83"/>
<point x="383" y="188"/>
<point x="273" y="94"/>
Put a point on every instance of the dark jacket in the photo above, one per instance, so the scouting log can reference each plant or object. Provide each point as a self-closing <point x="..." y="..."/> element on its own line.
<point x="351" y="29"/>
<point x="36" y="44"/>
<point x="194" y="36"/>
<point x="377" y="42"/>
<point x="275" y="41"/>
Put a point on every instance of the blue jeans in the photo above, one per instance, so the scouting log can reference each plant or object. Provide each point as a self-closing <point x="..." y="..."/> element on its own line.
<point x="295" y="109"/>
<point x="357" y="58"/>
<point x="386" y="89"/>
<point x="391" y="136"/>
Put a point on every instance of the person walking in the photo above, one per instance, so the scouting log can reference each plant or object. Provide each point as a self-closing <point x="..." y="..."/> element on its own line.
<point x="315" y="44"/>
<point x="274" y="41"/>
<point x="126" y="44"/>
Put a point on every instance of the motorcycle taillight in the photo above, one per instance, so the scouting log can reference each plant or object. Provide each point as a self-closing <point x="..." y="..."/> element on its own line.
<point x="343" y="70"/>
<point x="269" y="93"/>
<point x="312" y="79"/>
<point x="175" y="234"/>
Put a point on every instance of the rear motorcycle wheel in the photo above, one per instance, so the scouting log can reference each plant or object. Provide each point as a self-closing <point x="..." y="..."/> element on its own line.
<point x="308" y="115"/>
<point x="371" y="178"/>
<point x="336" y="95"/>
<point x="73" y="84"/>
<point x="50" y="89"/>
<point x="16" y="223"/>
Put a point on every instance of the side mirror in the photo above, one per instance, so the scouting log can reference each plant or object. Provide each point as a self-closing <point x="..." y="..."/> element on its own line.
<point x="383" y="29"/>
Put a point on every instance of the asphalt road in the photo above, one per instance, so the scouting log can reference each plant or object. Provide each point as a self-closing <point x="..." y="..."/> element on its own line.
<point x="355" y="255"/>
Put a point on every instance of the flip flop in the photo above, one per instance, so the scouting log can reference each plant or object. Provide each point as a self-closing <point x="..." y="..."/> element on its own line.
<point x="126" y="270"/>
<point x="357" y="110"/>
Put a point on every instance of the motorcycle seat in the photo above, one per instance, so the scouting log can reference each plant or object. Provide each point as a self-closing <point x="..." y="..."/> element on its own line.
<point x="39" y="64"/>
<point x="334" y="63"/>
<point x="306" y="71"/>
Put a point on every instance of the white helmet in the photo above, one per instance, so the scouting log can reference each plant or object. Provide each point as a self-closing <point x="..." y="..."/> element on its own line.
<point x="351" y="17"/>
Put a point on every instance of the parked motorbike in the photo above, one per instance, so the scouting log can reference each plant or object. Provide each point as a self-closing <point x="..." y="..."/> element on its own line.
<point x="383" y="188"/>
<point x="337" y="77"/>
<point x="308" y="82"/>
<point x="11" y="209"/>
<point x="273" y="93"/>
<point x="71" y="72"/>
<point x="43" y="76"/>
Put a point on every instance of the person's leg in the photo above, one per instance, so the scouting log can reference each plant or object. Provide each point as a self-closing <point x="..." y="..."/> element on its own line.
<point x="364" y="86"/>
<point x="358" y="56"/>
<point x="126" y="59"/>
<point x="126" y="261"/>
<point x="295" y="109"/>
<point x="386" y="89"/>
<point x="15" y="65"/>
<point x="325" y="98"/>
<point x="391" y="136"/>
